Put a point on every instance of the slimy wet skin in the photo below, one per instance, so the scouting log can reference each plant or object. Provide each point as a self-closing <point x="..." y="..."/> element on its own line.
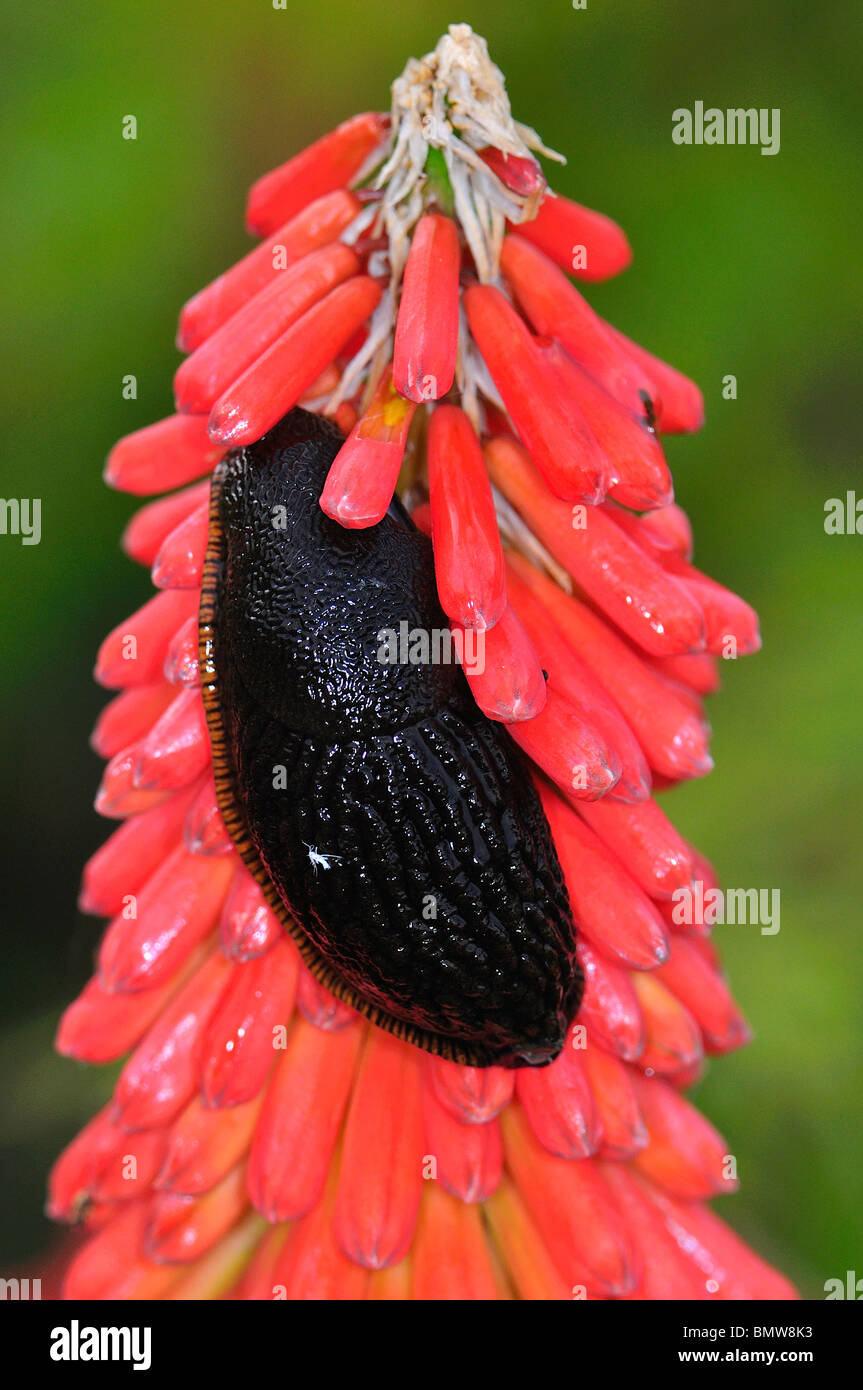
<point x="393" y="827"/>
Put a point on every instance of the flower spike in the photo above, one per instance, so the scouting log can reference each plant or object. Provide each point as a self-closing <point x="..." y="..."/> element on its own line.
<point x="412" y="286"/>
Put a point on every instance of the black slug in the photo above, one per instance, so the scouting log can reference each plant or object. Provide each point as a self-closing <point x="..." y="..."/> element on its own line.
<point x="393" y="827"/>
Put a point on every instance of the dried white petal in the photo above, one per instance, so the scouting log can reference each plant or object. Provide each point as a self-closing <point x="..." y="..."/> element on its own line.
<point x="452" y="100"/>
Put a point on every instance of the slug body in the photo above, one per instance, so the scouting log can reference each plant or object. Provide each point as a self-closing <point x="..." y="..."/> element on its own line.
<point x="393" y="827"/>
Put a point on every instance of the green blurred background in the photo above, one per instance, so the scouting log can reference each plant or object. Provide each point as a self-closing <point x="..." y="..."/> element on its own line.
<point x="744" y="264"/>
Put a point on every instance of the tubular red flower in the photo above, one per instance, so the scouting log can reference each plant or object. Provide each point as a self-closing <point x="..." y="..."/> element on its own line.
<point x="550" y="426"/>
<point x="701" y="989"/>
<point x="204" y="830"/>
<point x="165" y="455"/>
<point x="176" y="910"/>
<point x="285" y="1147"/>
<point x="631" y="589"/>
<point x="469" y="1156"/>
<point x="276" y="381"/>
<point x="727" y="1268"/>
<point x="681" y="406"/>
<point x="469" y="567"/>
<point x="107" y="1181"/>
<point x="181" y="659"/>
<point x="321" y="1008"/>
<point x="521" y="174"/>
<point x="175" y="750"/>
<point x="152" y="525"/>
<point x="117" y="796"/>
<point x="93" y="1272"/>
<point x="530" y="1265"/>
<point x="183" y="1228"/>
<point x="237" y="1051"/>
<point x="573" y="679"/>
<point x="315" y="226"/>
<point x="610" y="1007"/>
<point x="248" y="927"/>
<point x="427" y="325"/>
<point x="573" y="1208"/>
<point x="159" y="1078"/>
<point x="203" y="1146"/>
<point x="564" y="230"/>
<point x="732" y="625"/>
<point x="569" y="749"/>
<point x="300" y="1120"/>
<point x="665" y="1270"/>
<point x="363" y="476"/>
<point x="623" y="1129"/>
<point x="246" y="335"/>
<point x="692" y="671"/>
<point x="328" y="164"/>
<point x="380" y="1173"/>
<point x="685" y="1154"/>
<point x="451" y="1259"/>
<point x="557" y="310"/>
<point x="644" y="838"/>
<point x="180" y="560"/>
<point x="669" y="528"/>
<point x="561" y="1108"/>
<point x="507" y="681"/>
<point x="674" y="738"/>
<point x="134" y="652"/>
<point x="312" y="1266"/>
<point x="728" y="618"/>
<point x="130" y="856"/>
<point x="128" y="717"/>
<point x="472" y="1094"/>
<point x="101" y="1027"/>
<point x="614" y="913"/>
<point x="632" y="452"/>
<point x="673" y="1043"/>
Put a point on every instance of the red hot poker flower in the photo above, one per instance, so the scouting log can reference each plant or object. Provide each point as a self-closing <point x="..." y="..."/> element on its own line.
<point x="259" y="1107"/>
<point x="427" y="326"/>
